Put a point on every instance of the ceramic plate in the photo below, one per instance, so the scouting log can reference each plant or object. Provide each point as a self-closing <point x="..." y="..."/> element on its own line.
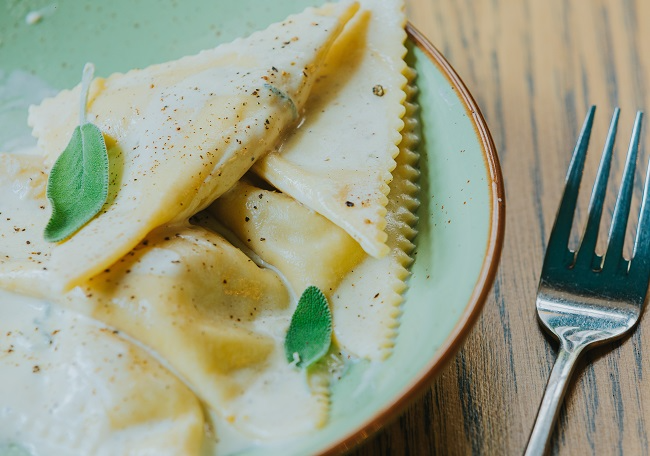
<point x="462" y="208"/>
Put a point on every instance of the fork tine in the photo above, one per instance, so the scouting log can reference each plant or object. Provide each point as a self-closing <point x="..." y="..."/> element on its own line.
<point x="641" y="256"/>
<point x="586" y="252"/>
<point x="614" y="255"/>
<point x="557" y="249"/>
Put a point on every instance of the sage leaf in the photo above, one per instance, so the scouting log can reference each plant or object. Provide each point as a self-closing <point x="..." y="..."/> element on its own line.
<point x="310" y="331"/>
<point x="77" y="186"/>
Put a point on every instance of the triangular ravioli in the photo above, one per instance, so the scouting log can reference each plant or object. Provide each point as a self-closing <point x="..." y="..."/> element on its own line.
<point x="339" y="161"/>
<point x="370" y="296"/>
<point x="70" y="386"/>
<point x="216" y="318"/>
<point x="181" y="133"/>
<point x="306" y="247"/>
<point x="24" y="255"/>
<point x="213" y="315"/>
<point x="365" y="292"/>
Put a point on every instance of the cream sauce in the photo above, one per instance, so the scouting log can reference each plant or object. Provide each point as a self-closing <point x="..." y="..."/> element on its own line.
<point x="70" y="385"/>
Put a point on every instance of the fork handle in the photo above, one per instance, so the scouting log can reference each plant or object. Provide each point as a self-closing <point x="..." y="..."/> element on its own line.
<point x="553" y="396"/>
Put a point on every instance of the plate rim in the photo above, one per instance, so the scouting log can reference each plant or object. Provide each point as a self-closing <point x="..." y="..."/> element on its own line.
<point x="486" y="277"/>
<point x="483" y="285"/>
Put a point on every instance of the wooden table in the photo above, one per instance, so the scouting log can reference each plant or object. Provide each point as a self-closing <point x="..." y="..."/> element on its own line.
<point x="534" y="68"/>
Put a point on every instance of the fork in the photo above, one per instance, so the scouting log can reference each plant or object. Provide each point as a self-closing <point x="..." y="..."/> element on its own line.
<point x="585" y="299"/>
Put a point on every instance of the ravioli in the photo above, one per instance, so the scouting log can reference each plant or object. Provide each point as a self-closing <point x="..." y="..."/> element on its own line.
<point x="306" y="247"/>
<point x="184" y="292"/>
<point x="327" y="159"/>
<point x="100" y="397"/>
<point x="202" y="305"/>
<point x="210" y="115"/>
<point x="365" y="292"/>
<point x="339" y="162"/>
<point x="24" y="256"/>
<point x="370" y="296"/>
<point x="180" y="137"/>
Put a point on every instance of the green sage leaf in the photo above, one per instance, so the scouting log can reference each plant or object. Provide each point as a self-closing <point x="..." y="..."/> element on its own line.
<point x="310" y="331"/>
<point x="78" y="183"/>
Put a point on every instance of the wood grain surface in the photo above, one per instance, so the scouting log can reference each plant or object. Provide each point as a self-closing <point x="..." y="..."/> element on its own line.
<point x="535" y="67"/>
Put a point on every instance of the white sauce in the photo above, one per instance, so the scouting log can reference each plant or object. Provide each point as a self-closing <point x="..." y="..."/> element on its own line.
<point x="66" y="381"/>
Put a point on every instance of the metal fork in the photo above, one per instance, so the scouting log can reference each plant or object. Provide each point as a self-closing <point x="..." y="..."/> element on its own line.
<point x="585" y="299"/>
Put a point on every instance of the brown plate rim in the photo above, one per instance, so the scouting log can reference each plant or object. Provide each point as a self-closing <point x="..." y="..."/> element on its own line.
<point x="488" y="272"/>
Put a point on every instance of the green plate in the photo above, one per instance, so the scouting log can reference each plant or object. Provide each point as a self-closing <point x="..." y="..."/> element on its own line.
<point x="462" y="207"/>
